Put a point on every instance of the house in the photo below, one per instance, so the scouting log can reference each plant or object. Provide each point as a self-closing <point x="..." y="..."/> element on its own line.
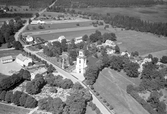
<point x="110" y="51"/>
<point x="141" y="63"/>
<point x="23" y="60"/>
<point x="125" y="53"/>
<point x="81" y="63"/>
<point x="35" y="22"/>
<point x="78" y="40"/>
<point x="6" y="59"/>
<point x="29" y="38"/>
<point x="61" y="38"/>
<point x="109" y="43"/>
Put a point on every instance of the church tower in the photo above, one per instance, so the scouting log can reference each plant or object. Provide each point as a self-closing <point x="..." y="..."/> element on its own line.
<point x="81" y="63"/>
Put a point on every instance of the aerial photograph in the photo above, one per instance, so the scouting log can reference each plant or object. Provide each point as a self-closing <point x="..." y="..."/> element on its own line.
<point x="83" y="56"/>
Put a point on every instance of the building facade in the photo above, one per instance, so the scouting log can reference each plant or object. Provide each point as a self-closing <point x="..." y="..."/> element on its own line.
<point x="23" y="60"/>
<point x="81" y="63"/>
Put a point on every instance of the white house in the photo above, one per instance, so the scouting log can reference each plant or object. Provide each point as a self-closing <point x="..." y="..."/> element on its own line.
<point x="61" y="38"/>
<point x="109" y="43"/>
<point x="29" y="38"/>
<point x="23" y="60"/>
<point x="34" y="22"/>
<point x="6" y="59"/>
<point x="125" y="53"/>
<point x="81" y="63"/>
<point x="110" y="51"/>
<point x="78" y="40"/>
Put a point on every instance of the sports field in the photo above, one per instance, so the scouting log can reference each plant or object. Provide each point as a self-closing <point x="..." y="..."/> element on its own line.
<point x="112" y="87"/>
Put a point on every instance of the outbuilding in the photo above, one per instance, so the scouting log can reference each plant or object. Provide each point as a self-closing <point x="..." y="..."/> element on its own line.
<point x="6" y="59"/>
<point x="23" y="60"/>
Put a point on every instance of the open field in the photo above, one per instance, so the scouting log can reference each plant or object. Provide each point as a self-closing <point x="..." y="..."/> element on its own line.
<point x="112" y="87"/>
<point x="144" y="43"/>
<point x="59" y="26"/>
<point x="9" y="68"/>
<point x="157" y="13"/>
<point x="69" y="35"/>
<point x="9" y="52"/>
<point x="9" y="109"/>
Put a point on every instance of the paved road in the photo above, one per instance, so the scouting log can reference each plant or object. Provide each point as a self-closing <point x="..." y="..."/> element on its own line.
<point x="6" y="49"/>
<point x="69" y="76"/>
<point x="59" y="30"/>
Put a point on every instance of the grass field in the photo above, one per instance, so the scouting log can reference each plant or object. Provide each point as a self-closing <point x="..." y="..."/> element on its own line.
<point x="69" y="35"/>
<point x="59" y="26"/>
<point x="144" y="43"/>
<point x="155" y="13"/>
<point x="9" y="52"/>
<point x="112" y="87"/>
<point x="7" y="109"/>
<point x="89" y="110"/>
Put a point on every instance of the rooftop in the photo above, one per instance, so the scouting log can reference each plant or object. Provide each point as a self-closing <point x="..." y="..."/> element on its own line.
<point x="22" y="58"/>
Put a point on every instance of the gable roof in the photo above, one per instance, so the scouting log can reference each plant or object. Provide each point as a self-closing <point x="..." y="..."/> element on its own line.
<point x="22" y="58"/>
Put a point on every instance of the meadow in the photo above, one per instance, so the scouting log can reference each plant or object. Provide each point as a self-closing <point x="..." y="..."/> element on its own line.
<point x="112" y="87"/>
<point x="9" y="52"/>
<point x="156" y="13"/>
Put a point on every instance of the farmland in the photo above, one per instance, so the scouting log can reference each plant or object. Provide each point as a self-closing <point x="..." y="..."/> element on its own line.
<point x="9" y="52"/>
<point x="155" y="13"/>
<point x="112" y="87"/>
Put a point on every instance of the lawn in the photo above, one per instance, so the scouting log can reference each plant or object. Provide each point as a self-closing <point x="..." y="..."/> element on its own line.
<point x="156" y="13"/>
<point x="9" y="52"/>
<point x="112" y="87"/>
<point x="9" y="109"/>
<point x="59" y="26"/>
<point x="69" y="35"/>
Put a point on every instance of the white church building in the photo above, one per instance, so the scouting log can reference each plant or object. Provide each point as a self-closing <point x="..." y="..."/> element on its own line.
<point x="81" y="63"/>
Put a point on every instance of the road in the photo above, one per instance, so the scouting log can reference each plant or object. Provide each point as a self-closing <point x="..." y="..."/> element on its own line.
<point x="58" y="30"/>
<point x="17" y="34"/>
<point x="74" y="79"/>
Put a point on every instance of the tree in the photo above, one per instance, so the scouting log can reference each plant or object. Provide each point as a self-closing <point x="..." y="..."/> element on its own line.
<point x="77" y="86"/>
<point x="56" y="106"/>
<point x="17" y="45"/>
<point x="164" y="59"/>
<point x="22" y="99"/>
<point x="26" y="75"/>
<point x="117" y="49"/>
<point x="66" y="84"/>
<point x="43" y="104"/>
<point x="2" y="95"/>
<point x="31" y="102"/>
<point x="8" y="96"/>
<point x="15" y="98"/>
<point x="131" y="69"/>
<point x="50" y="69"/>
<point x="135" y="53"/>
<point x="109" y="36"/>
<point x="73" y="55"/>
<point x="85" y="38"/>
<point x="64" y="45"/>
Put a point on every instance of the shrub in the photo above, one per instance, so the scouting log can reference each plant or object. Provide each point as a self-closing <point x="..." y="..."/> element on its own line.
<point x="97" y="94"/>
<point x="108" y="104"/>
<point x="104" y="101"/>
<point x="111" y="107"/>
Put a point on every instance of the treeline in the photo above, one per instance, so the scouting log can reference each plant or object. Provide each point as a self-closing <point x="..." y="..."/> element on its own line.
<point x="18" y="98"/>
<point x="106" y="3"/>
<point x="13" y="15"/>
<point x="31" y="3"/>
<point x="129" y="23"/>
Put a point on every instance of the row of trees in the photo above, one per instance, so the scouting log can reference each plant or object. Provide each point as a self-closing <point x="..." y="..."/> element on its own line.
<point x="114" y="62"/>
<point x="13" y="81"/>
<point x="35" y="86"/>
<point x="75" y="104"/>
<point x="18" y="98"/>
<point x="58" y="81"/>
<point x="12" y="15"/>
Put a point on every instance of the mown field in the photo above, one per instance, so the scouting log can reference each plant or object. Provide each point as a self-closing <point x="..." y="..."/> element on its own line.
<point x="69" y="35"/>
<point x="58" y="26"/>
<point x="157" y="13"/>
<point x="112" y="87"/>
<point x="7" y="109"/>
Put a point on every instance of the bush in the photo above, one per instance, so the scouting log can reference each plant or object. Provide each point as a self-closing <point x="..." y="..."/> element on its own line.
<point x="108" y="104"/>
<point x="111" y="107"/>
<point x="97" y="94"/>
<point x="104" y="101"/>
<point x="164" y="59"/>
